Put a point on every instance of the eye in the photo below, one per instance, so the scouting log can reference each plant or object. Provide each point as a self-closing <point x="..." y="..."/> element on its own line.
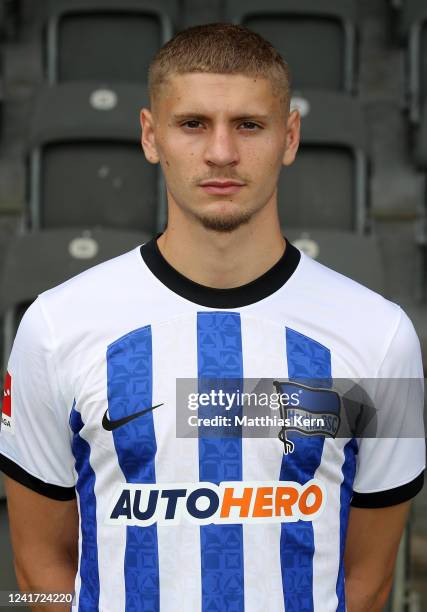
<point x="250" y="126"/>
<point x="192" y="124"/>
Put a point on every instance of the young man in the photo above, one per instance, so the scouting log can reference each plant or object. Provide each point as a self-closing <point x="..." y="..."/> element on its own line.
<point x="194" y="523"/>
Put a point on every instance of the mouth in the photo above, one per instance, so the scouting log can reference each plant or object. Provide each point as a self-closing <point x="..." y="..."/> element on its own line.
<point x="222" y="187"/>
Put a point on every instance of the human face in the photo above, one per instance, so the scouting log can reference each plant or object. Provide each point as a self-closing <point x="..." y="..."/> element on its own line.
<point x="221" y="140"/>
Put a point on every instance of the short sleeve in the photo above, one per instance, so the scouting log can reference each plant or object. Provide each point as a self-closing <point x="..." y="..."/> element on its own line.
<point x="35" y="439"/>
<point x="390" y="467"/>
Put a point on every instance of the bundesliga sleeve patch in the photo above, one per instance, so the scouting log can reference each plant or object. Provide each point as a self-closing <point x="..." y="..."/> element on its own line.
<point x="6" y="411"/>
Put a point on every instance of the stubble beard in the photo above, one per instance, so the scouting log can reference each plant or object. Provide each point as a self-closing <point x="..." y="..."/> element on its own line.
<point x="224" y="223"/>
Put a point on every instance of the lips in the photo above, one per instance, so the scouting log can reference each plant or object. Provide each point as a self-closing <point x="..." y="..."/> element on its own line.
<point x="221" y="187"/>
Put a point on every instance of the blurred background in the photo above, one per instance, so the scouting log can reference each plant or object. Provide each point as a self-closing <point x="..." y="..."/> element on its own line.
<point x="75" y="188"/>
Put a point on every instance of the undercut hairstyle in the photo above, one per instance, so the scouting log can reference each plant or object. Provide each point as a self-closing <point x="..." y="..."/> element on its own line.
<point x="221" y="48"/>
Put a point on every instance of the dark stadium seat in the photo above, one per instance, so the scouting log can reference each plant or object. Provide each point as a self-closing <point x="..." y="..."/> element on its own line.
<point x="10" y="11"/>
<point x="7" y="573"/>
<point x="3" y="20"/>
<point x="105" y="39"/>
<point x="420" y="150"/>
<point x="337" y="251"/>
<point x="420" y="158"/>
<point x="327" y="185"/>
<point x="87" y="167"/>
<point x="37" y="261"/>
<point x="414" y="27"/>
<point x="317" y="39"/>
<point x="195" y="12"/>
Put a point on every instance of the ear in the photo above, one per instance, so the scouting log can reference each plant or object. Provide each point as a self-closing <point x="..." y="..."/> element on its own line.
<point x="148" y="139"/>
<point x="293" y="129"/>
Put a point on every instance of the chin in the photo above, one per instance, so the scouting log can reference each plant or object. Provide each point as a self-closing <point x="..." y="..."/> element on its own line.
<point x="224" y="223"/>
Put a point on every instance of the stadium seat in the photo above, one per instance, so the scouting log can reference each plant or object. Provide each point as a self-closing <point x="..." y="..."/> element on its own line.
<point x="420" y="151"/>
<point x="87" y="167"/>
<point x="337" y="251"/>
<point x="10" y="11"/>
<point x="414" y="27"/>
<point x="317" y="39"/>
<point x="195" y="12"/>
<point x="3" y="19"/>
<point x="113" y="40"/>
<point x="420" y="159"/>
<point x="37" y="261"/>
<point x="8" y="581"/>
<point x="327" y="185"/>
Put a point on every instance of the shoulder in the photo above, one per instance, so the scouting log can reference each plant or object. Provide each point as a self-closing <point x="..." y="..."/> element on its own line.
<point x="99" y="278"/>
<point x="359" y="317"/>
<point x="81" y="301"/>
<point x="343" y="295"/>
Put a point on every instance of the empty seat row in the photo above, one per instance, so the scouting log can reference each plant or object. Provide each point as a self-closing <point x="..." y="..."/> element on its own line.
<point x="87" y="167"/>
<point x="116" y="39"/>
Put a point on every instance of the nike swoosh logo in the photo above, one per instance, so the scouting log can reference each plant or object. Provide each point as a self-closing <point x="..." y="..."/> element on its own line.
<point x="111" y="425"/>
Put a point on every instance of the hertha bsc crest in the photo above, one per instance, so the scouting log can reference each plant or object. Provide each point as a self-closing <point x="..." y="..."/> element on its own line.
<point x="317" y="412"/>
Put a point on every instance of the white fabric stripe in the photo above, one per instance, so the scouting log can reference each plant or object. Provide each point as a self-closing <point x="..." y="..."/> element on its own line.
<point x="177" y="461"/>
<point x="326" y="528"/>
<point x="262" y="459"/>
<point x="111" y="539"/>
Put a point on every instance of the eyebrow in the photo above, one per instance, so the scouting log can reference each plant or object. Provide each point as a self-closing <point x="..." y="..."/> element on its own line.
<point x="201" y="116"/>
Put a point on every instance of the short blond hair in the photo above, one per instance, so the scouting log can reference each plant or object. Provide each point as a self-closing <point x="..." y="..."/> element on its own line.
<point x="220" y="48"/>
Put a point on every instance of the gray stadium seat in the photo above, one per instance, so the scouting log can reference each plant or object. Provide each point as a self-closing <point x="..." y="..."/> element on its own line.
<point x="414" y="28"/>
<point x="420" y="152"/>
<point x="113" y="40"/>
<point x="7" y="573"/>
<point x="10" y="11"/>
<point x="327" y="185"/>
<point x="338" y="250"/>
<point x="317" y="39"/>
<point x="87" y="167"/>
<point x="195" y="12"/>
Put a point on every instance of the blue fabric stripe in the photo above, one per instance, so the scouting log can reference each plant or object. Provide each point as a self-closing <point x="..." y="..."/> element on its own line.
<point x="129" y="375"/>
<point x="346" y="492"/>
<point x="89" y="571"/>
<point x="220" y="365"/>
<point x="309" y="363"/>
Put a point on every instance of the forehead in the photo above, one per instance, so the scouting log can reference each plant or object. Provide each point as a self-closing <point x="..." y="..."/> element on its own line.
<point x="217" y="93"/>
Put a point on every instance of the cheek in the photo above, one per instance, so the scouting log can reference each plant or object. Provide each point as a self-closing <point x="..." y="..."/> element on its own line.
<point x="180" y="170"/>
<point x="265" y="158"/>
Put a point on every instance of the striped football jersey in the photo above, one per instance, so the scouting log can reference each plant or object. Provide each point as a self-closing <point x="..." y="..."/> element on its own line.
<point x="207" y="523"/>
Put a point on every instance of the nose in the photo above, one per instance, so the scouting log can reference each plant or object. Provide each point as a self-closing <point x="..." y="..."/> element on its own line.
<point x="221" y="149"/>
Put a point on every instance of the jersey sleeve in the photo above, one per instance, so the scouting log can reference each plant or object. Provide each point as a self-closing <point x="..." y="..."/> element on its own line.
<point x="390" y="466"/>
<point x="35" y="439"/>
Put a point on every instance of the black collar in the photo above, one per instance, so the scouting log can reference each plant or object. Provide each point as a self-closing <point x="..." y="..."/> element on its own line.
<point x="235" y="297"/>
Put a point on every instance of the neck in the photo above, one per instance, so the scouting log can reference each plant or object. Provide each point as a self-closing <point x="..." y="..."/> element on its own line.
<point x="223" y="260"/>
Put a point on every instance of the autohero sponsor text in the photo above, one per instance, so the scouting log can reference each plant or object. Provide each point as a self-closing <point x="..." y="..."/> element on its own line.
<point x="229" y="502"/>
